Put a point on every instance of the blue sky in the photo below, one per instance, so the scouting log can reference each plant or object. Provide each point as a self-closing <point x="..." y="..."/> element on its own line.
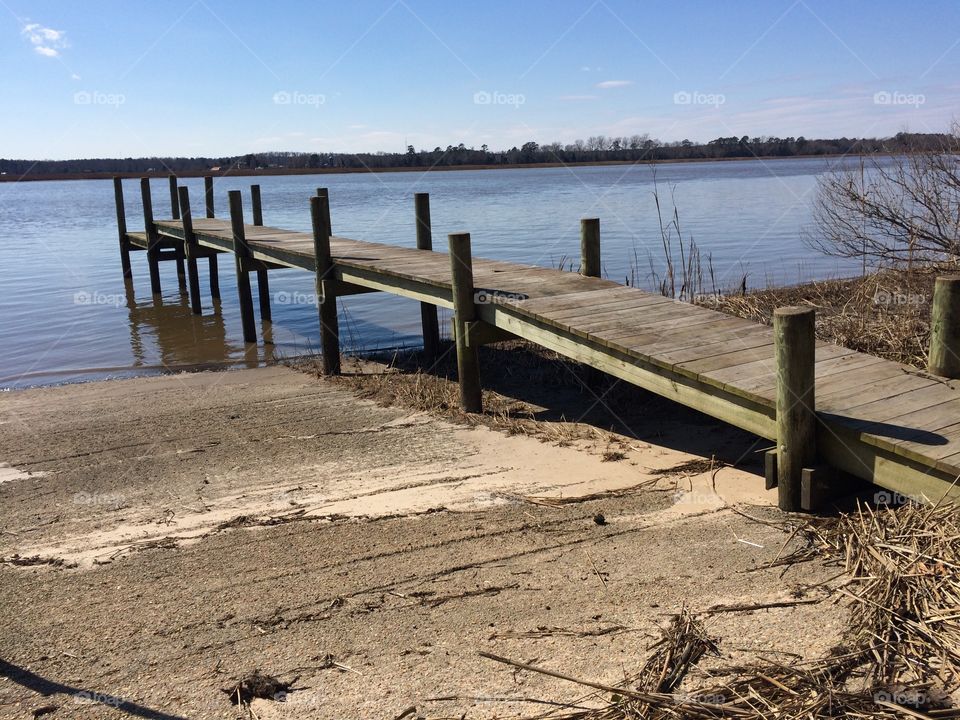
<point x="204" y="77"/>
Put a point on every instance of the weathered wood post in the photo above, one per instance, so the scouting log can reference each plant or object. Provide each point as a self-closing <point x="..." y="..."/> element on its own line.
<point x="191" y="247"/>
<point x="179" y="249"/>
<point x="208" y="195"/>
<point x="428" y="313"/>
<point x="326" y="297"/>
<point x="325" y="194"/>
<point x="945" y="328"/>
<point x="794" y="342"/>
<point x="122" y="228"/>
<point x="153" y="240"/>
<point x="174" y="197"/>
<point x="241" y="254"/>
<point x="465" y="314"/>
<point x="590" y="247"/>
<point x="263" y="283"/>
<point x="214" y="267"/>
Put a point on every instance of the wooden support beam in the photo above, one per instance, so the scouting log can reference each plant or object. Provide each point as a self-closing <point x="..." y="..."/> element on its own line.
<point x="465" y="312"/>
<point x="214" y="267"/>
<point x="122" y="229"/>
<point x="190" y="246"/>
<point x="180" y="250"/>
<point x="240" y="250"/>
<point x="945" y="328"/>
<point x="794" y="343"/>
<point x="770" y="469"/>
<point x="428" y="312"/>
<point x="480" y="333"/>
<point x="153" y="246"/>
<point x="818" y="486"/>
<point x="329" y="328"/>
<point x="263" y="282"/>
<point x="590" y="247"/>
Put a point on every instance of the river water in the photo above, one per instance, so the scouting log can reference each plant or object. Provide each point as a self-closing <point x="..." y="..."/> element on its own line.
<point x="66" y="315"/>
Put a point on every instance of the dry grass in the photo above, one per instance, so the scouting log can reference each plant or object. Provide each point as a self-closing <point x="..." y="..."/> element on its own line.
<point x="886" y="314"/>
<point x="404" y="379"/>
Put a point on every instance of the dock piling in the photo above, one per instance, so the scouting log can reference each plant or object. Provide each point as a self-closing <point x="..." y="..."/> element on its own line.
<point x="428" y="312"/>
<point x="180" y="249"/>
<point x="122" y="229"/>
<point x="590" y="247"/>
<point x="214" y="267"/>
<point x="241" y="254"/>
<point x="944" y="357"/>
<point x="191" y="247"/>
<point x="794" y="342"/>
<point x="153" y="239"/>
<point x="465" y="314"/>
<point x="263" y="282"/>
<point x="326" y="297"/>
<point x="325" y="194"/>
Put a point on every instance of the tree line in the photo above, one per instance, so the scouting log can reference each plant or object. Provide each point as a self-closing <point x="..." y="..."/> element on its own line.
<point x="599" y="148"/>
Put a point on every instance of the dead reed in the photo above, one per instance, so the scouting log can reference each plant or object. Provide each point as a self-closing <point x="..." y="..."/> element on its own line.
<point x="886" y="314"/>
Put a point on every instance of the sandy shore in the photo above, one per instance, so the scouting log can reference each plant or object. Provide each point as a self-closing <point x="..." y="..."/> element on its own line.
<point x="164" y="536"/>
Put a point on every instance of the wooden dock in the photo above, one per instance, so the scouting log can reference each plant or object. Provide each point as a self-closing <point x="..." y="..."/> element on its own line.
<point x="875" y="419"/>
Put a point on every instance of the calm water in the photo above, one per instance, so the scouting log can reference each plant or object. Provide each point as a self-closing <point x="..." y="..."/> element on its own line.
<point x="65" y="315"/>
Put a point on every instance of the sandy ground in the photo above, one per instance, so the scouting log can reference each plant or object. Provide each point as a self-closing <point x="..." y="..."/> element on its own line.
<point x="193" y="528"/>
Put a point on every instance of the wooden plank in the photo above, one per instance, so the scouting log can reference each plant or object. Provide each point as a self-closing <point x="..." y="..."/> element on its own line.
<point x="594" y="298"/>
<point x="731" y="359"/>
<point x="888" y="408"/>
<point x="731" y="409"/>
<point x="838" y="397"/>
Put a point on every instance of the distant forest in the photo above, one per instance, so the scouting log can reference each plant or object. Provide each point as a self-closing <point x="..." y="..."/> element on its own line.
<point x="597" y="149"/>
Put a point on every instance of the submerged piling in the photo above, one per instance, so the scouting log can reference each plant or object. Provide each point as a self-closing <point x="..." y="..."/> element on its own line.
<point x="122" y="229"/>
<point x="191" y="247"/>
<point x="241" y="254"/>
<point x="153" y="239"/>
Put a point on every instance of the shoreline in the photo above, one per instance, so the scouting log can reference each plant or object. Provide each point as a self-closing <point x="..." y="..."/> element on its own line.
<point x="270" y="172"/>
<point x="212" y="524"/>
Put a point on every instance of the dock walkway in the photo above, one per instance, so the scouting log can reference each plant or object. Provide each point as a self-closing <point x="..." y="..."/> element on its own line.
<point x="878" y="420"/>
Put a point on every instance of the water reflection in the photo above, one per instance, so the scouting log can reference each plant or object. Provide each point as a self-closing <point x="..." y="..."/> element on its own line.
<point x="165" y="330"/>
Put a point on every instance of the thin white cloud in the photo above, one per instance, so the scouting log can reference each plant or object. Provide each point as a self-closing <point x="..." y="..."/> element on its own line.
<point x="577" y="98"/>
<point x="46" y="41"/>
<point x="607" y="84"/>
